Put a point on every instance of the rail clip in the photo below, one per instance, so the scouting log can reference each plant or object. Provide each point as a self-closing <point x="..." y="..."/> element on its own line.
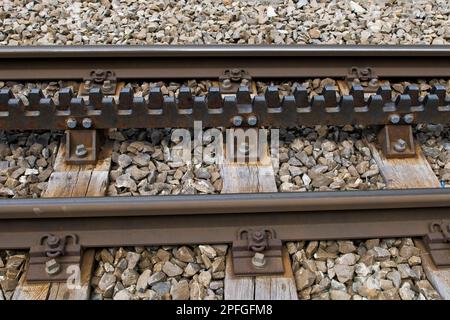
<point x="257" y="252"/>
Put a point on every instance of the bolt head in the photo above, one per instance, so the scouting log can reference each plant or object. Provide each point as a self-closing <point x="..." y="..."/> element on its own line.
<point x="87" y="123"/>
<point x="408" y="118"/>
<point x="394" y="118"/>
<point x="237" y="121"/>
<point x="52" y="267"/>
<point x="226" y="83"/>
<point x="258" y="260"/>
<point x="400" y="145"/>
<point x="80" y="151"/>
<point x="71" y="123"/>
<point x="252" y="120"/>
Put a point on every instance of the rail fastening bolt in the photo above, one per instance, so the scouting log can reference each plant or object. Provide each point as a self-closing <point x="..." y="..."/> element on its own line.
<point x="71" y="123"/>
<point x="400" y="145"/>
<point x="80" y="151"/>
<point x="107" y="85"/>
<point x="408" y="118"/>
<point x="258" y="260"/>
<point x="226" y="83"/>
<point x="237" y="121"/>
<point x="252" y="120"/>
<point x="87" y="123"/>
<point x="52" y="267"/>
<point x="394" y="118"/>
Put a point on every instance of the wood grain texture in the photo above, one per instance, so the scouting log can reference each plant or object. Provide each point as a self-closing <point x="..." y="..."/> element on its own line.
<point x="405" y="173"/>
<point x="250" y="178"/>
<point x="439" y="278"/>
<point x="71" y="181"/>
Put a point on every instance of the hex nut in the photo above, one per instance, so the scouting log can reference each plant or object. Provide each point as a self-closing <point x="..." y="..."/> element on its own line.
<point x="258" y="260"/>
<point x="52" y="267"/>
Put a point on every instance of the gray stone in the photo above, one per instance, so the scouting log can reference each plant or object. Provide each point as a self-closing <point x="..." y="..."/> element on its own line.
<point x="205" y="278"/>
<point x="304" y="278"/>
<point x="180" y="290"/>
<point x="123" y="294"/>
<point x="161" y="288"/>
<point x="142" y="282"/>
<point x="344" y="273"/>
<point x="348" y="259"/>
<point x="339" y="295"/>
<point x="191" y="269"/>
<point x="132" y="259"/>
<point x="156" y="277"/>
<point x="129" y="277"/>
<point x="346" y="246"/>
<point x="405" y="292"/>
<point x="124" y="160"/>
<point x="107" y="281"/>
<point x="171" y="269"/>
<point x="184" y="254"/>
<point x="381" y="254"/>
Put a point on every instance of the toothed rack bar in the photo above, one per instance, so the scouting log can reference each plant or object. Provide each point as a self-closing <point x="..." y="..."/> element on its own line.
<point x="214" y="110"/>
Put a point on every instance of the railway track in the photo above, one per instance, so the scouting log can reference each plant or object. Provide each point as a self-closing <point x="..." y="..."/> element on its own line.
<point x="62" y="226"/>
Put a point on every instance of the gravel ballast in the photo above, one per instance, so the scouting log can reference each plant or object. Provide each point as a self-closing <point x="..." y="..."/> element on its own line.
<point x="386" y="269"/>
<point x="224" y="21"/>
<point x="160" y="273"/>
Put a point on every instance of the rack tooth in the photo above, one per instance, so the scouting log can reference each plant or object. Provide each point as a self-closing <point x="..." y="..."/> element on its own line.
<point x="109" y="111"/>
<point x="386" y="93"/>
<point x="440" y="92"/>
<point x="46" y="108"/>
<point x="77" y="107"/>
<point x="329" y="94"/>
<point x="34" y="97"/>
<point x="185" y="100"/>
<point x="16" y="109"/>
<point x="301" y="97"/>
<point x="169" y="108"/>
<point x="214" y="98"/>
<point x="5" y="96"/>
<point x="357" y="92"/>
<point x="126" y="96"/>
<point x="243" y="96"/>
<point x="413" y="92"/>
<point x="403" y="103"/>
<point x="95" y="97"/>
<point x="272" y="97"/>
<point x="155" y="98"/>
<point x="65" y="96"/>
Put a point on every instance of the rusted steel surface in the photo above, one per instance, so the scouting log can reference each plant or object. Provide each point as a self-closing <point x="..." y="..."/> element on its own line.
<point x="133" y="62"/>
<point x="186" y="205"/>
<point x="190" y="219"/>
<point x="213" y="110"/>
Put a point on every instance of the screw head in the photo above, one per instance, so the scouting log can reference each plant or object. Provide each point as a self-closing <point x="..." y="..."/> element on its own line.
<point x="400" y="145"/>
<point x="237" y="121"/>
<point x="80" y="151"/>
<point x="71" y="123"/>
<point x="87" y="123"/>
<point x="252" y="120"/>
<point x="226" y="83"/>
<point x="52" y="267"/>
<point x="408" y="118"/>
<point x="394" y="118"/>
<point x="258" y="260"/>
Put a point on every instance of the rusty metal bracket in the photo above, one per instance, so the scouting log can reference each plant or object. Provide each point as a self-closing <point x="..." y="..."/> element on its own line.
<point x="437" y="242"/>
<point x="365" y="75"/>
<point x="51" y="258"/>
<point x="105" y="80"/>
<point x="232" y="79"/>
<point x="397" y="141"/>
<point x="256" y="252"/>
<point x="82" y="146"/>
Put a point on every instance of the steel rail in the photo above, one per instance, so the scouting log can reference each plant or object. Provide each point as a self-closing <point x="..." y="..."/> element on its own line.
<point x="170" y="62"/>
<point x="158" y="220"/>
